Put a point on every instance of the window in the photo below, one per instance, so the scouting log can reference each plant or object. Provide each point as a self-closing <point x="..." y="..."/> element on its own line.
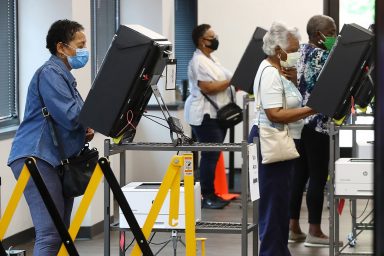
<point x="8" y="64"/>
<point x="185" y="22"/>
<point x="104" y="22"/>
<point x="357" y="11"/>
<point x="351" y="11"/>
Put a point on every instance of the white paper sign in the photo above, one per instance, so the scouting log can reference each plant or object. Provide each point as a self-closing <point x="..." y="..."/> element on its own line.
<point x="253" y="172"/>
<point x="170" y="76"/>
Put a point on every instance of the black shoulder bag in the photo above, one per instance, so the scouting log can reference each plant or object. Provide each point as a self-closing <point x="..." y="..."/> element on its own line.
<point x="228" y="115"/>
<point x="76" y="171"/>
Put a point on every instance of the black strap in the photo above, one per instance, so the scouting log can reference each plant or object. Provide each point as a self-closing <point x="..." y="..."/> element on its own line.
<point x="51" y="207"/>
<point x="125" y="208"/>
<point x="2" y="250"/>
<point x="51" y="124"/>
<point x="214" y="104"/>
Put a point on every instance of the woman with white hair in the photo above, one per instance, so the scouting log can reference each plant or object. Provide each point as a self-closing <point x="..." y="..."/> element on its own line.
<point x="276" y="78"/>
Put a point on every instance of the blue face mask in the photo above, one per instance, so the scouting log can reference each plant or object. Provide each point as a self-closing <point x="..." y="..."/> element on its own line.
<point x="80" y="59"/>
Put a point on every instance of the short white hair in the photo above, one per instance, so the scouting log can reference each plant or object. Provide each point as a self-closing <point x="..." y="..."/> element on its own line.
<point x="278" y="36"/>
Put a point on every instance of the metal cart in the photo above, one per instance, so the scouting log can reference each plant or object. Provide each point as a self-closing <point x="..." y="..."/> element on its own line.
<point x="357" y="227"/>
<point x="243" y="228"/>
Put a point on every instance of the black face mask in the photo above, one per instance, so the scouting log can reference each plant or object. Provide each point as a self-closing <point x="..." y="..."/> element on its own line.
<point x="214" y="44"/>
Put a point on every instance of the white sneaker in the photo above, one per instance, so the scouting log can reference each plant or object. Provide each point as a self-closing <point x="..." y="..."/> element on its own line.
<point x="296" y="238"/>
<point x="314" y="241"/>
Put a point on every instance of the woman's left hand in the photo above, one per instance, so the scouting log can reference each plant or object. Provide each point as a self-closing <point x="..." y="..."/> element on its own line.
<point x="290" y="74"/>
<point x="89" y="134"/>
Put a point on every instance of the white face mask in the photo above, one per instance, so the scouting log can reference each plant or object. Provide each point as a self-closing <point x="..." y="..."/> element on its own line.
<point x="291" y="61"/>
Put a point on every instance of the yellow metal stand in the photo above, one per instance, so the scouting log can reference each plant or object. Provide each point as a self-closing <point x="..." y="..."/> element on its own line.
<point x="79" y="216"/>
<point x="83" y="207"/>
<point x="171" y="181"/>
<point x="14" y="200"/>
<point x="202" y="240"/>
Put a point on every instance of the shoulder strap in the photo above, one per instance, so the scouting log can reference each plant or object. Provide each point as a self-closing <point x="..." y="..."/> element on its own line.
<point x="214" y="104"/>
<point x="258" y="103"/>
<point x="258" y="98"/>
<point x="51" y="124"/>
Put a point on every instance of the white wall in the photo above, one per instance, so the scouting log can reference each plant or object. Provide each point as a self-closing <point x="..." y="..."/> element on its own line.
<point x="33" y="28"/>
<point x="235" y="21"/>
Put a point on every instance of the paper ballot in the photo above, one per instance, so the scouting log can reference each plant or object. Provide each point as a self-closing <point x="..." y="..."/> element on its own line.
<point x="253" y="172"/>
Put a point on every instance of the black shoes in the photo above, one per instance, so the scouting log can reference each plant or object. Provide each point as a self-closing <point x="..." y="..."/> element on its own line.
<point x="213" y="202"/>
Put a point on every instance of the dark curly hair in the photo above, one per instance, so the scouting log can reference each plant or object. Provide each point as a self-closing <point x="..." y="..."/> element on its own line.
<point x="198" y="32"/>
<point x="61" y="31"/>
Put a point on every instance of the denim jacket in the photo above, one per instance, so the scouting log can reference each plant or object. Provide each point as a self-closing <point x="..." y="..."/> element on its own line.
<point x="63" y="101"/>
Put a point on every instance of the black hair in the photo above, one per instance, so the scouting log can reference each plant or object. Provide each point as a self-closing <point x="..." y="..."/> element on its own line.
<point x="318" y="23"/>
<point x="61" y="31"/>
<point x="198" y="32"/>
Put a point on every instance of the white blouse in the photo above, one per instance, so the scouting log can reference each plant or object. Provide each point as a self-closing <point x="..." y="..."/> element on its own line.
<point x="271" y="96"/>
<point x="202" y="68"/>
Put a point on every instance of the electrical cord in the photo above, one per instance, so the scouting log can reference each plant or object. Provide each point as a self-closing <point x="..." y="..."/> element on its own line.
<point x="149" y="241"/>
<point x="350" y="209"/>
<point x="126" y="248"/>
<point x="9" y="250"/>
<point x="149" y="117"/>
<point x="161" y="118"/>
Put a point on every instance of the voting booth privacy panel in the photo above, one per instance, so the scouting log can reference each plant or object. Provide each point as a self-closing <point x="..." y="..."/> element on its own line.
<point x="121" y="90"/>
<point x="245" y="73"/>
<point x="345" y="73"/>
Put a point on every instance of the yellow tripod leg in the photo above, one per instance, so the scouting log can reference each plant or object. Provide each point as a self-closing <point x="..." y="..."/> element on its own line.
<point x="190" y="229"/>
<point x="202" y="240"/>
<point x="173" y="169"/>
<point x="83" y="207"/>
<point x="173" y="218"/>
<point x="14" y="200"/>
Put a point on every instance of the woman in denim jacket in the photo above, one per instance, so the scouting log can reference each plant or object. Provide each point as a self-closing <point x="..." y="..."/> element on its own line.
<point x="66" y="42"/>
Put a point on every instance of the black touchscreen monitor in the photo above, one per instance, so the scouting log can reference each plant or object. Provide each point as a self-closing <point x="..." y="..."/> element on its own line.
<point x="343" y="73"/>
<point x="121" y="90"/>
<point x="245" y="72"/>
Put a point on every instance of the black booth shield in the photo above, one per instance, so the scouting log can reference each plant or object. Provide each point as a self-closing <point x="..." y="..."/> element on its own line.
<point x="122" y="87"/>
<point x="245" y="72"/>
<point x="342" y="73"/>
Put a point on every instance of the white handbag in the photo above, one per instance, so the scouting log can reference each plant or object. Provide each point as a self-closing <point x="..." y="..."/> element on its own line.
<point x="276" y="145"/>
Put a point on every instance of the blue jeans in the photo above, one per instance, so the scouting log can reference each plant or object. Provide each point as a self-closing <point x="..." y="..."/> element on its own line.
<point x="47" y="242"/>
<point x="208" y="131"/>
<point x="275" y="187"/>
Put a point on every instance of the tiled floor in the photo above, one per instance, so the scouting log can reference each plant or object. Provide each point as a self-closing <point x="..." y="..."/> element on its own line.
<point x="230" y="244"/>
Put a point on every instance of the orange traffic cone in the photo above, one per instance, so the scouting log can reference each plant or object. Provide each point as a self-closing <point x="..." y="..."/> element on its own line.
<point x="220" y="182"/>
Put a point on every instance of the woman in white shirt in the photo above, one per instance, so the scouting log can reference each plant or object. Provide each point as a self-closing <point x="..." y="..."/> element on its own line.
<point x="275" y="77"/>
<point x="206" y="75"/>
